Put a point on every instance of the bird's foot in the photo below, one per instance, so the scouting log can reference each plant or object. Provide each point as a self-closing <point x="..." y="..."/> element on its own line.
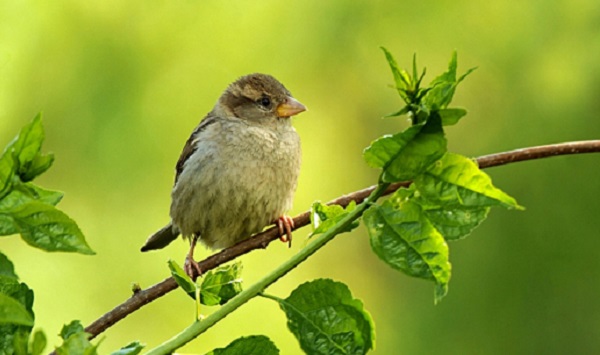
<point x="285" y="225"/>
<point x="191" y="267"/>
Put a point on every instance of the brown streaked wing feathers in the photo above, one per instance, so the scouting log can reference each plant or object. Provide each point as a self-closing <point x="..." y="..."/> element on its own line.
<point x="190" y="147"/>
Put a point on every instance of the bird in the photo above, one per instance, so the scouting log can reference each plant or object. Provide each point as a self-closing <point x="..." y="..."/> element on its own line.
<point x="238" y="170"/>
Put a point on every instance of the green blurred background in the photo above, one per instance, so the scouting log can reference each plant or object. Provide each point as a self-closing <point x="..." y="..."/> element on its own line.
<point x="122" y="84"/>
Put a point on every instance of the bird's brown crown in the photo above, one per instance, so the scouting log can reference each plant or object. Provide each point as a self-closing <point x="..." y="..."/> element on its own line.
<point x="255" y="85"/>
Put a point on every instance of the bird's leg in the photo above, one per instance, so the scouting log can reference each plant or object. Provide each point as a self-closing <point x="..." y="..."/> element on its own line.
<point x="285" y="225"/>
<point x="190" y="266"/>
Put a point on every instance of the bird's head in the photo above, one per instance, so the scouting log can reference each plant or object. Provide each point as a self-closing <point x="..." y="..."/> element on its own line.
<point x="259" y="97"/>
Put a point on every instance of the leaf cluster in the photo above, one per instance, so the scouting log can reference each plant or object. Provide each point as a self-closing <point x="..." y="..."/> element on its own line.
<point x="421" y="102"/>
<point x="449" y="195"/>
<point x="28" y="209"/>
<point x="16" y="314"/>
<point x="17" y="320"/>
<point x="75" y="341"/>
<point x="321" y="314"/>
<point x="218" y="286"/>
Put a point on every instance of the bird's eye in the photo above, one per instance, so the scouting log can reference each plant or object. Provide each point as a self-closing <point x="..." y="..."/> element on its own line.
<point x="264" y="102"/>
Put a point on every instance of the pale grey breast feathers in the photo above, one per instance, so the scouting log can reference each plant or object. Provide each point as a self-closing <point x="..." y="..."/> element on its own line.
<point x="233" y="178"/>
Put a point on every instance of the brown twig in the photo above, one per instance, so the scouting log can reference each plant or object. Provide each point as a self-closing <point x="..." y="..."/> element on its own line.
<point x="261" y="240"/>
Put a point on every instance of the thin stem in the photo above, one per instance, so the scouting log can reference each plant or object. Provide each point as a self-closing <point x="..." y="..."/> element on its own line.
<point x="318" y="242"/>
<point x="271" y="297"/>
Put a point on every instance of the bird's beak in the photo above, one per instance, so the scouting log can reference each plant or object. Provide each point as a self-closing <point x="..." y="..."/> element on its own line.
<point x="289" y="108"/>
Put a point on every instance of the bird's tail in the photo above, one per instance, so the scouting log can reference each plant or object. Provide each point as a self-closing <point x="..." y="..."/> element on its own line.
<point x="162" y="238"/>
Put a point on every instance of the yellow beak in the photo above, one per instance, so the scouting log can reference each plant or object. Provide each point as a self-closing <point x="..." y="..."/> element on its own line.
<point x="289" y="108"/>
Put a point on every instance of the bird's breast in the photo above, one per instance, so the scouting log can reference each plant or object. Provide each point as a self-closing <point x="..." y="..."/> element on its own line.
<point x="239" y="179"/>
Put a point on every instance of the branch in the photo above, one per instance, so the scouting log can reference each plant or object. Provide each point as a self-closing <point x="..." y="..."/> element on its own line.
<point x="261" y="240"/>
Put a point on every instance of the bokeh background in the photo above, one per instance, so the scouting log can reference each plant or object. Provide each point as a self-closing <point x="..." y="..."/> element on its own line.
<point x="122" y="84"/>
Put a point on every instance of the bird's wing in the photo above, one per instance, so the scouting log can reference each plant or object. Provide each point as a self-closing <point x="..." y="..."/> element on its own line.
<point x="191" y="144"/>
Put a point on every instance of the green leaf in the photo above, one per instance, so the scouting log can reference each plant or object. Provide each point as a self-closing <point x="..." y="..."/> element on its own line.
<point x="38" y="166"/>
<point x="7" y="268"/>
<point x="13" y="312"/>
<point x="456" y="180"/>
<point x="77" y="344"/>
<point x="38" y="344"/>
<point x="29" y="141"/>
<point x="221" y="285"/>
<point x="451" y="116"/>
<point x="72" y="328"/>
<point x="75" y="340"/>
<point x="452" y="221"/>
<point x="467" y="73"/>
<point x="250" y="345"/>
<point x="41" y="194"/>
<point x="7" y="225"/>
<point x="401" y="77"/>
<point x="323" y="217"/>
<point x="456" y="222"/>
<point x="326" y="319"/>
<point x="384" y="149"/>
<point x="182" y="279"/>
<point x="407" y="154"/>
<point x="404" y="238"/>
<point x="22" y="156"/>
<point x="401" y="112"/>
<point x="43" y="226"/>
<point x="21" y="341"/>
<point x="444" y="86"/>
<point x="7" y="171"/>
<point x="11" y="287"/>
<point x="23" y="193"/>
<point x="415" y="74"/>
<point x="132" y="348"/>
<point x="13" y="337"/>
<point x="25" y="148"/>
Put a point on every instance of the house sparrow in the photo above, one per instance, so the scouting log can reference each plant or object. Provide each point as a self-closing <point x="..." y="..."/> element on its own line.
<point x="238" y="170"/>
